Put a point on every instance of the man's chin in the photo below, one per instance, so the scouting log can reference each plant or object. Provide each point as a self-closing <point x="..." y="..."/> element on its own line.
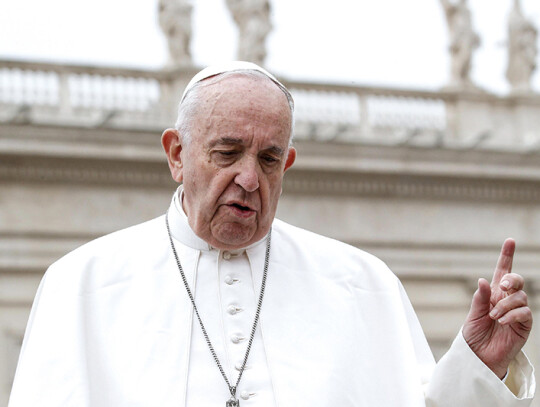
<point x="233" y="236"/>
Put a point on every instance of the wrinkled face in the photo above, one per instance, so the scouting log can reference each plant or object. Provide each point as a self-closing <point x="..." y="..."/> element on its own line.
<point x="233" y="165"/>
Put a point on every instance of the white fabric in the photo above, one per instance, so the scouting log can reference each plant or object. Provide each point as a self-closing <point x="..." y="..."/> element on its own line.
<point x="112" y="326"/>
<point x="224" y="280"/>
<point x="451" y="377"/>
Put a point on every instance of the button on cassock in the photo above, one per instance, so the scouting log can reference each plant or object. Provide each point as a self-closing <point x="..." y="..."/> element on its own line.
<point x="237" y="338"/>
<point x="233" y="309"/>
<point x="227" y="255"/>
<point x="246" y="395"/>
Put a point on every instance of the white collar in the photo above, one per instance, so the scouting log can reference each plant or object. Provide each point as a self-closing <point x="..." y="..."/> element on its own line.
<point x="182" y="232"/>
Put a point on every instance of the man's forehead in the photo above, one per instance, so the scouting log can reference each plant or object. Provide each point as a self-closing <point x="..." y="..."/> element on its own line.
<point x="234" y="66"/>
<point x="227" y="99"/>
<point x="241" y="83"/>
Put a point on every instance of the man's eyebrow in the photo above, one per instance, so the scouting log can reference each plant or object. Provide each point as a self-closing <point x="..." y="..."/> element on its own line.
<point x="275" y="150"/>
<point x="232" y="141"/>
<point x="226" y="141"/>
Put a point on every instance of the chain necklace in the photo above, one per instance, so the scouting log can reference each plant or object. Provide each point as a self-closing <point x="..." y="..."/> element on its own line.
<point x="233" y="401"/>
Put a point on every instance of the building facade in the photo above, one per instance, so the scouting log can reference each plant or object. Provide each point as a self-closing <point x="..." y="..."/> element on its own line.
<point x="430" y="182"/>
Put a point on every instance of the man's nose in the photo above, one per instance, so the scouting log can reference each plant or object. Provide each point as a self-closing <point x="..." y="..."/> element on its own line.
<point x="247" y="176"/>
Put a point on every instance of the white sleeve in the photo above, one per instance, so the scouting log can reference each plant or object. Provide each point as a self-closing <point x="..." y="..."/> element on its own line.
<point x="462" y="379"/>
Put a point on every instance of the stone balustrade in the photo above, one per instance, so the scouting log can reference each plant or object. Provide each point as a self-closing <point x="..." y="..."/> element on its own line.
<point x="120" y="97"/>
<point x="71" y="86"/>
<point x="87" y="95"/>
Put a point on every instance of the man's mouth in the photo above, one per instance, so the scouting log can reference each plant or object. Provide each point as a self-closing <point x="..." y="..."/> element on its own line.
<point x="244" y="208"/>
<point x="241" y="210"/>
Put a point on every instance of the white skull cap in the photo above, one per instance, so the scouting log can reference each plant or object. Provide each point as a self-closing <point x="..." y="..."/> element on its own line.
<point x="231" y="66"/>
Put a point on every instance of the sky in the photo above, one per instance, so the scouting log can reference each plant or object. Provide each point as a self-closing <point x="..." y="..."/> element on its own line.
<point x="391" y="43"/>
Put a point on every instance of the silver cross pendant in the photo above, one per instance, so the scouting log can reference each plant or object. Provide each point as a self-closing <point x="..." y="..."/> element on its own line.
<point x="233" y="402"/>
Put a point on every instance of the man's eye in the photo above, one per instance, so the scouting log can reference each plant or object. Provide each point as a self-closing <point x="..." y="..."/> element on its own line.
<point x="227" y="153"/>
<point x="269" y="159"/>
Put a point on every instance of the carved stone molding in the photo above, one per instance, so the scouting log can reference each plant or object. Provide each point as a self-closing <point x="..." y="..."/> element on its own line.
<point x="304" y="181"/>
<point x="409" y="186"/>
<point x="106" y="172"/>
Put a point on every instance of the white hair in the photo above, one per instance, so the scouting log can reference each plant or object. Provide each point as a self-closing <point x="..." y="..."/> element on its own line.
<point x="190" y="102"/>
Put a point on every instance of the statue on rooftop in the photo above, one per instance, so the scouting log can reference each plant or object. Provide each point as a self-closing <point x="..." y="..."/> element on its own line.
<point x="252" y="18"/>
<point x="463" y="41"/>
<point x="522" y="50"/>
<point x="175" y="22"/>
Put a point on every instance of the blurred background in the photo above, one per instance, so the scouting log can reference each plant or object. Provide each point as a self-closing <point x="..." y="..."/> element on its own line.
<point x="417" y="128"/>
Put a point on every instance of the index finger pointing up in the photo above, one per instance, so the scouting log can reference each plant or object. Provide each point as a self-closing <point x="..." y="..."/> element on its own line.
<point x="504" y="264"/>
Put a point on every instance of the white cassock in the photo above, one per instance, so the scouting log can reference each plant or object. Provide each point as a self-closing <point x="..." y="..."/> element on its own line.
<point x="112" y="325"/>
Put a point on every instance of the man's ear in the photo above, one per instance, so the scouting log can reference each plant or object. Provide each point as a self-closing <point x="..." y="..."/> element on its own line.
<point x="291" y="156"/>
<point x="172" y="144"/>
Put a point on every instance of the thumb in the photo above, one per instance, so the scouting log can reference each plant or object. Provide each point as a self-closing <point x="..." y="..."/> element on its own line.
<point x="481" y="304"/>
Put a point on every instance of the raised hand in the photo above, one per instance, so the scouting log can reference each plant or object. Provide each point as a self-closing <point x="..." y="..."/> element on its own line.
<point x="499" y="321"/>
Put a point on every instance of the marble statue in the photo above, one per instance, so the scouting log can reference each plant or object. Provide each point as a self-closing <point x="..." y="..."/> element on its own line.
<point x="522" y="50"/>
<point x="175" y="21"/>
<point x="253" y="20"/>
<point x="463" y="41"/>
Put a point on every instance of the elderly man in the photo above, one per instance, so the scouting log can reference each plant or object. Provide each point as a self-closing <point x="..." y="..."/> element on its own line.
<point x="218" y="303"/>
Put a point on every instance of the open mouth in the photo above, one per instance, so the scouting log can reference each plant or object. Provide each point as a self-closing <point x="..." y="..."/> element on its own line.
<point x="241" y="210"/>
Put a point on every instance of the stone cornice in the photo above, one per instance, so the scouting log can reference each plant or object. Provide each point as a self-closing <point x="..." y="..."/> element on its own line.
<point x="303" y="181"/>
<point x="121" y="157"/>
<point x="93" y="171"/>
<point x="411" y="186"/>
<point x="417" y="160"/>
<point x="80" y="142"/>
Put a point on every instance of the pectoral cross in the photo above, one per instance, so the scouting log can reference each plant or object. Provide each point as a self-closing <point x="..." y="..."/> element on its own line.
<point x="233" y="402"/>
